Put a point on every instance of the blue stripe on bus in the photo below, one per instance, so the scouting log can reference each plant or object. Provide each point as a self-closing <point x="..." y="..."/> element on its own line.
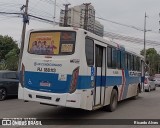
<point x="33" y="80"/>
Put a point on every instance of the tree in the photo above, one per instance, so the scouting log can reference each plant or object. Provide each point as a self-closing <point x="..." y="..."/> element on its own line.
<point x="9" y="52"/>
<point x="3" y="65"/>
<point x="152" y="60"/>
<point x="12" y="60"/>
<point x="6" y="45"/>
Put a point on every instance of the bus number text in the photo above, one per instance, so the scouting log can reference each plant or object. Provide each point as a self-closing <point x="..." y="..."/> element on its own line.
<point x="46" y="69"/>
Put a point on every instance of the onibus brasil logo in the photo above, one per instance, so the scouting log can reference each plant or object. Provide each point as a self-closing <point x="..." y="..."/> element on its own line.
<point x="20" y="122"/>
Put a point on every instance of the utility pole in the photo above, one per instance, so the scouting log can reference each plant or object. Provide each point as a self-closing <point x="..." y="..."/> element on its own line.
<point x="54" y="18"/>
<point x="159" y="22"/>
<point x="144" y="51"/>
<point x="66" y="15"/>
<point x="86" y="15"/>
<point x="145" y="37"/>
<point x="25" y="21"/>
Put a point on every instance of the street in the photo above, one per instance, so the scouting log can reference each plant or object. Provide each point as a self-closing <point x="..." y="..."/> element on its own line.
<point x="145" y="107"/>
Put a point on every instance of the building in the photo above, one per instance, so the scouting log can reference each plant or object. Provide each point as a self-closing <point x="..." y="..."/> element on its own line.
<point x="98" y="28"/>
<point x="76" y="18"/>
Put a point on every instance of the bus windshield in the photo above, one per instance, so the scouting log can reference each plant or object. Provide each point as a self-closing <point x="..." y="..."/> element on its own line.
<point x="52" y="43"/>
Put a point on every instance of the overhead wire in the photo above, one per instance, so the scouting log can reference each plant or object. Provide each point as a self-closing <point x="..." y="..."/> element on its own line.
<point x="43" y="13"/>
<point x="39" y="9"/>
<point x="131" y="39"/>
<point x="126" y="38"/>
<point x="8" y="18"/>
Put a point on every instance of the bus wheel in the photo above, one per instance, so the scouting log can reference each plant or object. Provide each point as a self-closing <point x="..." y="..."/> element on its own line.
<point x="136" y="96"/>
<point x="113" y="101"/>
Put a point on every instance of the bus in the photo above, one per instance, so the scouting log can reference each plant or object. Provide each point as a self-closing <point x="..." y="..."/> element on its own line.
<point x="72" y="67"/>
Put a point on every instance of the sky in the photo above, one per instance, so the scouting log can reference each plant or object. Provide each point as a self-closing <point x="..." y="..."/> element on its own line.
<point x="128" y="12"/>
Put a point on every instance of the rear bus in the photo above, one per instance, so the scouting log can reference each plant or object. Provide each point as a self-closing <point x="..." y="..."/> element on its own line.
<point x="51" y="70"/>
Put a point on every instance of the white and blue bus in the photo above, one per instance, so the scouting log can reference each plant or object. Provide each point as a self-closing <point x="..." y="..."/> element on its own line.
<point x="72" y="67"/>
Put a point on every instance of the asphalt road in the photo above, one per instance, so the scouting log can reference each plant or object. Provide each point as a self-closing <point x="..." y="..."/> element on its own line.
<point x="147" y="106"/>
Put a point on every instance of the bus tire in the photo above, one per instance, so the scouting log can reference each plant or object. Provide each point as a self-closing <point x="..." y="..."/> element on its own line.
<point x="113" y="101"/>
<point x="138" y="91"/>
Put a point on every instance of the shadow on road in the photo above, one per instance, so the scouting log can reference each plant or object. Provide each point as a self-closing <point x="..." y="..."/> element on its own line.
<point x="73" y="113"/>
<point x="11" y="97"/>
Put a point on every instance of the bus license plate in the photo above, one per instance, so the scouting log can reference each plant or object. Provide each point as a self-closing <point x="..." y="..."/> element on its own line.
<point x="45" y="84"/>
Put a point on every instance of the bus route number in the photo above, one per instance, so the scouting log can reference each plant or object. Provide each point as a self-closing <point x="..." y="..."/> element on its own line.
<point x="46" y="69"/>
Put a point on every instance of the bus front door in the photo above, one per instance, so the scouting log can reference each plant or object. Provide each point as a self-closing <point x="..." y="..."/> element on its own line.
<point x="100" y="71"/>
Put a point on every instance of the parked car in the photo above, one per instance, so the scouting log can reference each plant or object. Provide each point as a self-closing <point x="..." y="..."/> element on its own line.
<point x="8" y="84"/>
<point x="149" y="84"/>
<point x="157" y="79"/>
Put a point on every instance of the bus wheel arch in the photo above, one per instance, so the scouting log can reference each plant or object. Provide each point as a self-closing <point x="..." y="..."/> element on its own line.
<point x="113" y="100"/>
<point x="116" y="88"/>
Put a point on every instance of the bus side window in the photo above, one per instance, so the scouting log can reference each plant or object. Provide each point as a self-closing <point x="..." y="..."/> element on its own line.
<point x="138" y="62"/>
<point x="126" y="60"/>
<point x="129" y="62"/>
<point x="114" y="58"/>
<point x="132" y="62"/>
<point x="123" y="59"/>
<point x="98" y="55"/>
<point x="119" y="59"/>
<point x="111" y="57"/>
<point x="135" y="64"/>
<point x="89" y="49"/>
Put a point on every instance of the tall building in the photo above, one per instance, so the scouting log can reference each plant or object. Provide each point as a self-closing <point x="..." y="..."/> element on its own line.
<point x="76" y="18"/>
<point x="98" y="28"/>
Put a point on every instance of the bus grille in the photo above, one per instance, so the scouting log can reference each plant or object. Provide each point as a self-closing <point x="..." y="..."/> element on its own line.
<point x="43" y="97"/>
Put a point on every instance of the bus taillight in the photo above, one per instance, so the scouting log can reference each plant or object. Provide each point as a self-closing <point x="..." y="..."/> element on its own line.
<point x="22" y="75"/>
<point x="74" y="80"/>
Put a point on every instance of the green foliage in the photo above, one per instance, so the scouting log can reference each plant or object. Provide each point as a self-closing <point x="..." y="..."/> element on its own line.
<point x="153" y="60"/>
<point x="9" y="52"/>
<point x="3" y="65"/>
<point x="12" y="60"/>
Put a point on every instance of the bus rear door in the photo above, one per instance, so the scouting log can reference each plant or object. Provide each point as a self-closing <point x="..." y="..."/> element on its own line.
<point x="100" y="73"/>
